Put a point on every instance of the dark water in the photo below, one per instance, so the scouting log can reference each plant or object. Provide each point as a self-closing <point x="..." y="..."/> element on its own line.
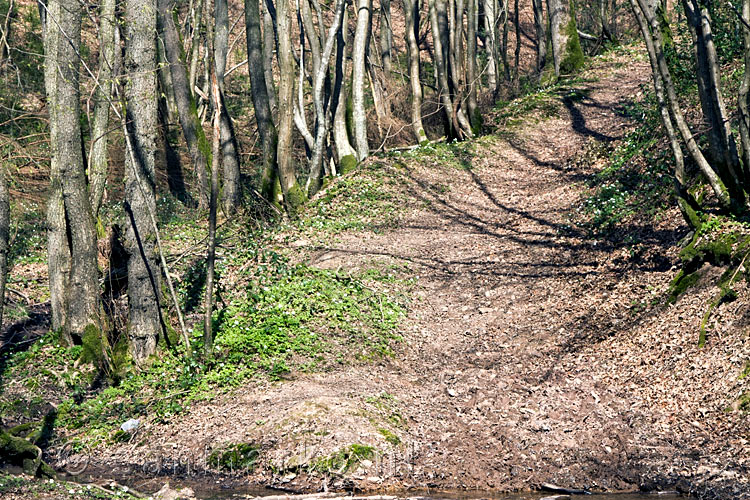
<point x="453" y="495"/>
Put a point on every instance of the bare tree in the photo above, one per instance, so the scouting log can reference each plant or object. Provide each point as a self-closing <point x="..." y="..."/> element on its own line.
<point x="359" y="72"/>
<point x="346" y="153"/>
<point x="98" y="158"/>
<point x="567" y="55"/>
<point x="187" y="112"/>
<point x="230" y="157"/>
<point x="294" y="197"/>
<point x="261" y="101"/>
<point x="69" y="216"/>
<point x="411" y="13"/>
<point x="4" y="236"/>
<point x="144" y="278"/>
<point x="323" y="112"/>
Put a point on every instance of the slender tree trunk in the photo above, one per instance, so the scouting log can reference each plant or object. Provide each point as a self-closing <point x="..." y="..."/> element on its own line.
<point x="214" y="201"/>
<point x="195" y="137"/>
<point x="744" y="93"/>
<point x="230" y="157"/>
<point x="541" y="35"/>
<point x="269" y="45"/>
<point x="723" y="150"/>
<point x="359" y="73"/>
<point x="72" y="209"/>
<point x="195" y="46"/>
<point x="346" y="153"/>
<point x="684" y="200"/>
<point x="322" y="112"/>
<point x="411" y="13"/>
<point x="439" y="38"/>
<point x="517" y="58"/>
<point x="504" y="48"/>
<point x="4" y="236"/>
<point x="492" y="43"/>
<point x="472" y="79"/>
<point x="294" y="197"/>
<point x="144" y="279"/>
<point x="58" y="251"/>
<point x="386" y="36"/>
<point x="261" y="101"/>
<point x="98" y="158"/>
<point x="657" y="42"/>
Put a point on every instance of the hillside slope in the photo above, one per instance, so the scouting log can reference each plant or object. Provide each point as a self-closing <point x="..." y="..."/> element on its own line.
<point x="531" y="352"/>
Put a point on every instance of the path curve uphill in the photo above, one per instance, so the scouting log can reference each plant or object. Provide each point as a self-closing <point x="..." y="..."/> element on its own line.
<point x="525" y="359"/>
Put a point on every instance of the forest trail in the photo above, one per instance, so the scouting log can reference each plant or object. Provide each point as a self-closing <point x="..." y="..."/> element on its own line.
<point x="526" y="356"/>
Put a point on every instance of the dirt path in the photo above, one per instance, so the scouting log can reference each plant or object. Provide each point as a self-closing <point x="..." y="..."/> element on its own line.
<point x="527" y="357"/>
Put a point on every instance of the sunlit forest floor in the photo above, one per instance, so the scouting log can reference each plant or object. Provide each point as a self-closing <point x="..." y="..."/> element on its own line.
<point x="506" y="321"/>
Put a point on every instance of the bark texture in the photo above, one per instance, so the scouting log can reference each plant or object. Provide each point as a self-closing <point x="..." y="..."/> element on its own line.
<point x="261" y="101"/>
<point x="359" y="73"/>
<point x="144" y="279"/>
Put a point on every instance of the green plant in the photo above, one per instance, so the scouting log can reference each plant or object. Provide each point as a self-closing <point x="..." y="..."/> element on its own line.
<point x="343" y="460"/>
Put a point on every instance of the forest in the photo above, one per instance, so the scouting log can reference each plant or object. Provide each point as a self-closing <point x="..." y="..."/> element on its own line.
<point x="321" y="248"/>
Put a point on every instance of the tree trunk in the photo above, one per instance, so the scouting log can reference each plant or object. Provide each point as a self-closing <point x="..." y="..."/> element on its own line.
<point x="269" y="46"/>
<point x="230" y="157"/>
<point x="411" y="13"/>
<point x="195" y="47"/>
<point x="472" y="79"/>
<point x="517" y="58"/>
<point x="359" y="73"/>
<point x="294" y="197"/>
<point x="439" y="38"/>
<point x="346" y="153"/>
<point x="322" y="112"/>
<point x="58" y="251"/>
<point x="656" y="39"/>
<point x="214" y="201"/>
<point x="72" y="211"/>
<point x="541" y="35"/>
<point x="684" y="200"/>
<point x="144" y="279"/>
<point x="98" y="158"/>
<point x="723" y="149"/>
<point x="567" y="55"/>
<point x="261" y="101"/>
<point x="4" y="236"/>
<point x="744" y="92"/>
<point x="195" y="138"/>
<point x="386" y="37"/>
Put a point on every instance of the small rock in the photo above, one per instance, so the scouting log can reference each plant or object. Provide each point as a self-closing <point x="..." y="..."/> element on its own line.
<point x="288" y="478"/>
<point x="131" y="425"/>
<point x="451" y="393"/>
<point x="366" y="464"/>
<point x="167" y="493"/>
<point x="299" y="243"/>
<point x="375" y="479"/>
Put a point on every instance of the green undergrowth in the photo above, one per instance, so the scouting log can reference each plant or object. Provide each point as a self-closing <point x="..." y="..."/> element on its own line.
<point x="540" y="104"/>
<point x="342" y="461"/>
<point x="723" y="242"/>
<point x="634" y="183"/>
<point x="366" y="199"/>
<point x="16" y="486"/>
<point x="283" y="319"/>
<point x="454" y="154"/>
<point x="293" y="318"/>
<point x="234" y="457"/>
